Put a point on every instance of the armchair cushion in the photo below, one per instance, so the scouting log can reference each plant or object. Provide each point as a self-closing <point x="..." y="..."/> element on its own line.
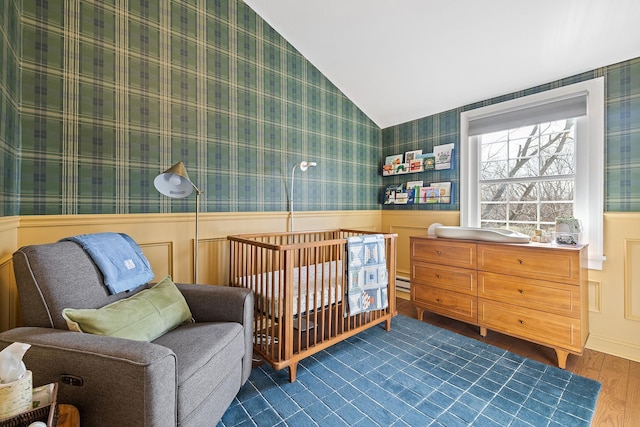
<point x="144" y="316"/>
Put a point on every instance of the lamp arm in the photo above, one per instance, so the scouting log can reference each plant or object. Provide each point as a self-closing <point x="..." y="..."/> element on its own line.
<point x="195" y="188"/>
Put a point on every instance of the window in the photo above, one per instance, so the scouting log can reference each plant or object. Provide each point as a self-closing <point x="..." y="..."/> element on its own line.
<point x="527" y="161"/>
<point x="527" y="176"/>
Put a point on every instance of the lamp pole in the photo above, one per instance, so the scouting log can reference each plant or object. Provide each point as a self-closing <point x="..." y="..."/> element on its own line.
<point x="195" y="243"/>
<point x="293" y="172"/>
<point x="303" y="167"/>
<point x="175" y="183"/>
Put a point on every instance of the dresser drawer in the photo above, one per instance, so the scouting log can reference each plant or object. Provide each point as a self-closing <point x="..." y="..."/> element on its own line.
<point x="534" y="262"/>
<point x="447" y="303"/>
<point x="550" y="297"/>
<point x="438" y="251"/>
<point x="443" y="277"/>
<point x="543" y="328"/>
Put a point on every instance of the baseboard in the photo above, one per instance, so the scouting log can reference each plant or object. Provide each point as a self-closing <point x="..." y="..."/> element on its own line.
<point x="613" y="347"/>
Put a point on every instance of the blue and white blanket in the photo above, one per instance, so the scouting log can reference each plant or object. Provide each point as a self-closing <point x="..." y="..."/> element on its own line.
<point x="367" y="274"/>
<point x="118" y="257"/>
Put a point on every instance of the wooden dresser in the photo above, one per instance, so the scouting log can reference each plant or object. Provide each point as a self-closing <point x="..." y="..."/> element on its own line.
<point x="536" y="292"/>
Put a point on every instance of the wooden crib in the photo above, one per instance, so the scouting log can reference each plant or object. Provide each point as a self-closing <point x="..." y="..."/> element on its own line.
<point x="299" y="284"/>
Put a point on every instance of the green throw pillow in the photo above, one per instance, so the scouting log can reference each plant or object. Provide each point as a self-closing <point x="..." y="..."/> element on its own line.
<point x="142" y="317"/>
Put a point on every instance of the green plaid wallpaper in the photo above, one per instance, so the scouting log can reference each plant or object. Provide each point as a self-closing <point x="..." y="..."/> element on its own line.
<point x="622" y="137"/>
<point x="115" y="92"/>
<point x="9" y="108"/>
<point x="98" y="97"/>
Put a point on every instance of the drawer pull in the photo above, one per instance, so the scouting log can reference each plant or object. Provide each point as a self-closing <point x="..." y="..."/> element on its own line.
<point x="438" y="253"/>
<point x="438" y="300"/>
<point x="521" y="261"/>
<point x="521" y="322"/>
<point x="521" y="291"/>
<point x="438" y="276"/>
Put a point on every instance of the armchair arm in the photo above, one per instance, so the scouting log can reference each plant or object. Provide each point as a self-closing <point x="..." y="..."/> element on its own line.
<point x="115" y="373"/>
<point x="209" y="303"/>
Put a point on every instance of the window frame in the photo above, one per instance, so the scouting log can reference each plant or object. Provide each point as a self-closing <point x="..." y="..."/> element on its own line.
<point x="589" y="198"/>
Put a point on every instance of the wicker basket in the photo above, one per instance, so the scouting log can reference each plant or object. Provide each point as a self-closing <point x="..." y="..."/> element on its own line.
<point x="47" y="414"/>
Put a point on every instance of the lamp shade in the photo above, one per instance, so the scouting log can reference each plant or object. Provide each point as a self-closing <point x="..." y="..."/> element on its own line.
<point x="174" y="182"/>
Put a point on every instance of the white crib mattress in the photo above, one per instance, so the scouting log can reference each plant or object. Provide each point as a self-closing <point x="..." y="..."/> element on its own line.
<point x="320" y="290"/>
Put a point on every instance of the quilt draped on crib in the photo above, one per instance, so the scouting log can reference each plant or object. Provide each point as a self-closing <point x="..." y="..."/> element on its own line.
<point x="367" y="274"/>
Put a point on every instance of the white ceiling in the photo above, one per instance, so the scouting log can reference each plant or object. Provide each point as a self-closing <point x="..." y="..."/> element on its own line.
<point x="400" y="60"/>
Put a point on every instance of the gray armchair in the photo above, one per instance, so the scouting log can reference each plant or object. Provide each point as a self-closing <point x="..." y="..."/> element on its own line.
<point x="186" y="377"/>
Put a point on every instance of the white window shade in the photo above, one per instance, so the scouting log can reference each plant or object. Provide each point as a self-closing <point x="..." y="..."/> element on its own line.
<point x="552" y="110"/>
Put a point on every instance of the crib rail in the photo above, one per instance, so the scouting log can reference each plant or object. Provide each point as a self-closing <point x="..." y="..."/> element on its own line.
<point x="299" y="288"/>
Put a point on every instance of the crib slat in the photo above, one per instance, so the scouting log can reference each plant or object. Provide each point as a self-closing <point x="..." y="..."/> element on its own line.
<point x="288" y="304"/>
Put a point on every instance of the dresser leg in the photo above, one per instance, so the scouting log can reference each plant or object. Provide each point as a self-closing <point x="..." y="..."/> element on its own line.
<point x="483" y="331"/>
<point x="562" y="358"/>
<point x="420" y="312"/>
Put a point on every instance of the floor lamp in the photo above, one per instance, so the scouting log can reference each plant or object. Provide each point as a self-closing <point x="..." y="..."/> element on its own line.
<point x="303" y="167"/>
<point x="175" y="183"/>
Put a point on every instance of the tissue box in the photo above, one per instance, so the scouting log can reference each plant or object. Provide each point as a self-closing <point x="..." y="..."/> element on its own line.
<point x="15" y="397"/>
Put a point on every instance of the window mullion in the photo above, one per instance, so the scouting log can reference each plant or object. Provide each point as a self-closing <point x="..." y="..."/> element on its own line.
<point x="528" y="179"/>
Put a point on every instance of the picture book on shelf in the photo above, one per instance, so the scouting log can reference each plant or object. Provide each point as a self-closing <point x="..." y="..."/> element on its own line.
<point x="428" y="161"/>
<point x="416" y="165"/>
<point x="402" y="199"/>
<point x="395" y="159"/>
<point x="390" y="193"/>
<point x="401" y="168"/>
<point x="411" y="155"/>
<point x="444" y="191"/>
<point x="429" y="195"/>
<point x="443" y="155"/>
<point x="391" y="164"/>
<point x="411" y="196"/>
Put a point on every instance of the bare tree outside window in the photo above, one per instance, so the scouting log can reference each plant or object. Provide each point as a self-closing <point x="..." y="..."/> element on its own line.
<point x="527" y="176"/>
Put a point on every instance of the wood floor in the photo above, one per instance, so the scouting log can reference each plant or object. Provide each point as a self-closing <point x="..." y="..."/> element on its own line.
<point x="619" y="400"/>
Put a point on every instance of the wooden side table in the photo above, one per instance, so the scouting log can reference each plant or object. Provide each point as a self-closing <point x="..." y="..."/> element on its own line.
<point x="68" y="416"/>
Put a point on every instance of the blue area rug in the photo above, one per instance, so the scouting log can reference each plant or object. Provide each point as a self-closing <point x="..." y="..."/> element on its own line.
<point x="415" y="375"/>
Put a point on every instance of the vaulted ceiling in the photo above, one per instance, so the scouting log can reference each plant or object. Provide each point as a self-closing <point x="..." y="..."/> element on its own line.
<point x="399" y="60"/>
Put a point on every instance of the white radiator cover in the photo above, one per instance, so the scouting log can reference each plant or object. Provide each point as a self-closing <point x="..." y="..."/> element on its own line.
<point x="402" y="283"/>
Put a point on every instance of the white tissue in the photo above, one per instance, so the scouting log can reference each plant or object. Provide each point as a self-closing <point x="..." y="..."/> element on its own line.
<point x="11" y="365"/>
